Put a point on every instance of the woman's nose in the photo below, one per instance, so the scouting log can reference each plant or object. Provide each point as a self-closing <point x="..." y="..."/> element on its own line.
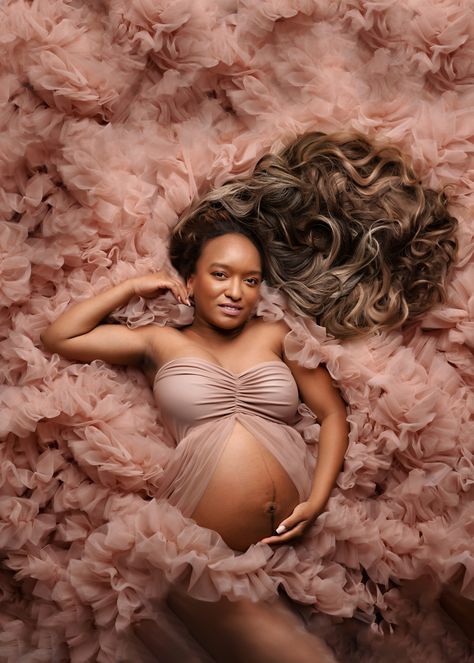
<point x="234" y="289"/>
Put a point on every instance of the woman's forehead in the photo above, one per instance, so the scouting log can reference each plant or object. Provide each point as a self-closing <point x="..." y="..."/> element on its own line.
<point x="230" y="248"/>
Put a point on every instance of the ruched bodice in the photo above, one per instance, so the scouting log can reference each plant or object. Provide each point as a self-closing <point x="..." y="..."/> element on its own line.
<point x="192" y="391"/>
<point x="200" y="403"/>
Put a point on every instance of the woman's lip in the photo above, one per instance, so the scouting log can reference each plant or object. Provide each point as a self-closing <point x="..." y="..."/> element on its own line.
<point x="233" y="310"/>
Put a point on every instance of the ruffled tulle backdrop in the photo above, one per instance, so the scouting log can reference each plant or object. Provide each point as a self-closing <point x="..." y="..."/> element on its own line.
<point x="115" y="115"/>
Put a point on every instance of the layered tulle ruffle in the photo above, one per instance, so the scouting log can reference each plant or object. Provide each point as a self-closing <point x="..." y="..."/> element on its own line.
<point x="115" y="116"/>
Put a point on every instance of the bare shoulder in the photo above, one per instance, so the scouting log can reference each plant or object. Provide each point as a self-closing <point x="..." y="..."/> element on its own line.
<point x="272" y="332"/>
<point x="275" y="327"/>
<point x="162" y="341"/>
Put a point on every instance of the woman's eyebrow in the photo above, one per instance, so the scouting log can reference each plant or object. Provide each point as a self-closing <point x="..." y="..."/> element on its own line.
<point x="221" y="264"/>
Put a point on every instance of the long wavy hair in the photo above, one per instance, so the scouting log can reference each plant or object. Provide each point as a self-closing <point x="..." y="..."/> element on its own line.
<point x="350" y="234"/>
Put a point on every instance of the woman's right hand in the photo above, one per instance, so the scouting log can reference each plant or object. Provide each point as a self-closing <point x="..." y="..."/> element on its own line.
<point x="154" y="285"/>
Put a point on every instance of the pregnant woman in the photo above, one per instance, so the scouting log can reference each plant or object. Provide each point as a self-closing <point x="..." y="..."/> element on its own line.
<point x="227" y="391"/>
<point x="229" y="399"/>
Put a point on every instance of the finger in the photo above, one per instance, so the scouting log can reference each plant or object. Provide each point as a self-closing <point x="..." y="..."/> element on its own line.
<point x="164" y="285"/>
<point x="288" y="524"/>
<point x="176" y="293"/>
<point x="184" y="295"/>
<point x="297" y="516"/>
<point x="280" y="538"/>
<point x="179" y="279"/>
<point x="180" y="292"/>
<point x="272" y="540"/>
<point x="174" y="287"/>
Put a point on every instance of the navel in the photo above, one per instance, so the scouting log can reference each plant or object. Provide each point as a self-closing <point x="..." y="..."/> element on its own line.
<point x="270" y="507"/>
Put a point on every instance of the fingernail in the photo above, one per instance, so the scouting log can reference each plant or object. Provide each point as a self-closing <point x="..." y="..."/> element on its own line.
<point x="280" y="529"/>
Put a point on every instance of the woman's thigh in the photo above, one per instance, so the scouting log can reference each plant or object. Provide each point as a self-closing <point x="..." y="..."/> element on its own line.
<point x="244" y="631"/>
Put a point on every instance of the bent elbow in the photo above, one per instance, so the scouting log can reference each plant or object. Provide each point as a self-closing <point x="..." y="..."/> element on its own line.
<point x="48" y="341"/>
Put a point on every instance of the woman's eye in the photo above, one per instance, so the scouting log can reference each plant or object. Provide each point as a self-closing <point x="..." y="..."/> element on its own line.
<point x="251" y="281"/>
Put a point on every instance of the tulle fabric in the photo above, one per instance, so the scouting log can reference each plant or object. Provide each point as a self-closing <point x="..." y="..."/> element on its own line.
<point x="201" y="402"/>
<point x="191" y="467"/>
<point x="115" y="115"/>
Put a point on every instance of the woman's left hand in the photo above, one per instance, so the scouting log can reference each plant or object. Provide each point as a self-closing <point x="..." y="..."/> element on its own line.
<point x="295" y="524"/>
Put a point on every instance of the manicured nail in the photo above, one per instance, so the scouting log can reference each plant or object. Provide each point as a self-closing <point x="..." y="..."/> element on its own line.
<point x="280" y="529"/>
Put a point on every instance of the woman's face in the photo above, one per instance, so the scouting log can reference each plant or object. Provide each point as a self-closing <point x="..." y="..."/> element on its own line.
<point x="226" y="282"/>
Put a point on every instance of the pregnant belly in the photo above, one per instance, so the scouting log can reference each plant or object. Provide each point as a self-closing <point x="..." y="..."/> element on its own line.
<point x="249" y="492"/>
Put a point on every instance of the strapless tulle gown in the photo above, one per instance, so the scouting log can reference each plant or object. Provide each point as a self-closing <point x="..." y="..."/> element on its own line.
<point x="200" y="402"/>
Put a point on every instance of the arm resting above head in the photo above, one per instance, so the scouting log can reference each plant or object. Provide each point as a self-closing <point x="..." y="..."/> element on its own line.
<point x="78" y="335"/>
<point x="115" y="344"/>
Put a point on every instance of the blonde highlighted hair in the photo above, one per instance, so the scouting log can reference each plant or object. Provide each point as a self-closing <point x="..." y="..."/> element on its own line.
<point x="349" y="233"/>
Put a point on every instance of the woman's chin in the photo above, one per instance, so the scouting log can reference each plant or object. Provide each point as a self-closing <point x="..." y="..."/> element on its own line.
<point x="229" y="322"/>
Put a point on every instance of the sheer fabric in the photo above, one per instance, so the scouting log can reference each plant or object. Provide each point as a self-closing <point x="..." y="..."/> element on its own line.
<point x="200" y="402"/>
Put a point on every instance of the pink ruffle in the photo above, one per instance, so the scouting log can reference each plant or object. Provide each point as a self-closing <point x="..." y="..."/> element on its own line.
<point x="116" y="116"/>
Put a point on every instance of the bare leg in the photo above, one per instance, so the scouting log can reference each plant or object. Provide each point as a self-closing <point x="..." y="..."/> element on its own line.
<point x="460" y="609"/>
<point x="247" y="632"/>
<point x="167" y="642"/>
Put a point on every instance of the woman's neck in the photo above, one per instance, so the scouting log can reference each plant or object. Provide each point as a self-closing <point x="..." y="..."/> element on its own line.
<point x="212" y="335"/>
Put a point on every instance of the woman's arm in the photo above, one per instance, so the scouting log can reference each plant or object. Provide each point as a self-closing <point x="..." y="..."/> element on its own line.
<point x="319" y="393"/>
<point x="78" y="335"/>
<point x="322" y="397"/>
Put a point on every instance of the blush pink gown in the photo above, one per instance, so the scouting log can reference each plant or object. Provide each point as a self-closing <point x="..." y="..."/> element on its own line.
<point x="200" y="402"/>
<point x="159" y="544"/>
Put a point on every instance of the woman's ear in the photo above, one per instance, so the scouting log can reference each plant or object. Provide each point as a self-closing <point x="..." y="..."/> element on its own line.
<point x="189" y="285"/>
